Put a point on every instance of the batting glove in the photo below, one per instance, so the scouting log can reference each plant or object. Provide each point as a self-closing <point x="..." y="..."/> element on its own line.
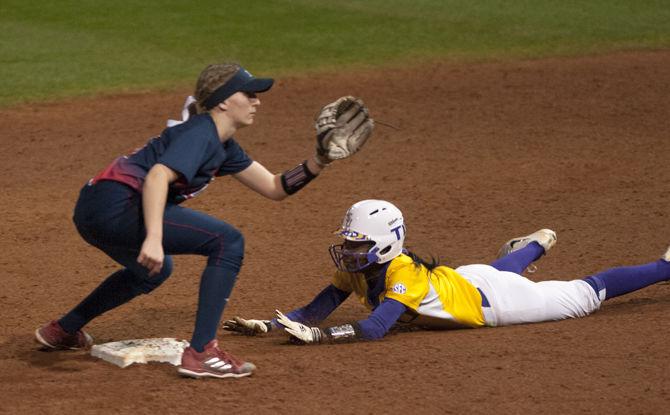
<point x="247" y="327"/>
<point x="300" y="333"/>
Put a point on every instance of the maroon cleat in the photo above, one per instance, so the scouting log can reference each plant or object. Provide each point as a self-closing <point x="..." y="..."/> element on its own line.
<point x="213" y="362"/>
<point x="53" y="336"/>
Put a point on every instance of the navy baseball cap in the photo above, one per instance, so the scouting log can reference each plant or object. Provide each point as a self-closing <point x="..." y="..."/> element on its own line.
<point x="242" y="81"/>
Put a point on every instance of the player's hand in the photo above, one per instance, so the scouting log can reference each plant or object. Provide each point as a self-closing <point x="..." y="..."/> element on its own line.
<point x="151" y="255"/>
<point x="299" y="333"/>
<point x="247" y="327"/>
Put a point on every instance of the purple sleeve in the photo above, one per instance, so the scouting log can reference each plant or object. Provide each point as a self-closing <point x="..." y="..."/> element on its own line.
<point x="320" y="307"/>
<point x="381" y="319"/>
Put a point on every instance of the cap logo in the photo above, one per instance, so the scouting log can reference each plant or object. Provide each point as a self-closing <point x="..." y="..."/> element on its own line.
<point x="347" y="219"/>
<point x="354" y="235"/>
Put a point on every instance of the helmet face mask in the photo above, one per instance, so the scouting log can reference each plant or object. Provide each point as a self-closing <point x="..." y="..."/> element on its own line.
<point x="353" y="259"/>
<point x="374" y="232"/>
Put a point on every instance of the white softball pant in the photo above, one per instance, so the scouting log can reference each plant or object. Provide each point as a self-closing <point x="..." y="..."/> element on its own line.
<point x="515" y="299"/>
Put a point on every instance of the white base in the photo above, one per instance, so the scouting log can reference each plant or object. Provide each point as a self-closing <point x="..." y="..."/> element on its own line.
<point x="126" y="352"/>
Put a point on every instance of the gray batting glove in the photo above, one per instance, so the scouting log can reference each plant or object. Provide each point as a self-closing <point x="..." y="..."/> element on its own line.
<point x="247" y="327"/>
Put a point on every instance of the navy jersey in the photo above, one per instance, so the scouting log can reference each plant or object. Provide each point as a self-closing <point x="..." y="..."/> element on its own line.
<point x="192" y="149"/>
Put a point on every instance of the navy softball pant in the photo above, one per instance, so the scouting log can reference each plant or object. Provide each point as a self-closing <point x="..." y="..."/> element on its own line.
<point x="109" y="216"/>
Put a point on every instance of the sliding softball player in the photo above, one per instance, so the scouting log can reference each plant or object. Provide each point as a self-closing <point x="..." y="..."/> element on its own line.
<point x="398" y="287"/>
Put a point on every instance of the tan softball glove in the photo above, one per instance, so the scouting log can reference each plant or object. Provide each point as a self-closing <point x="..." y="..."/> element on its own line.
<point x="342" y="128"/>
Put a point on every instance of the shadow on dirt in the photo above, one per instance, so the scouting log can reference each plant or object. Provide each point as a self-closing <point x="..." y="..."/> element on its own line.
<point x="25" y="349"/>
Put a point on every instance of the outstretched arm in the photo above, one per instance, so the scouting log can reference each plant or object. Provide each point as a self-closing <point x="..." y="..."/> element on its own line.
<point x="320" y="308"/>
<point x="278" y="186"/>
<point x="382" y="319"/>
<point x="372" y="328"/>
<point x="313" y="313"/>
<point x="342" y="128"/>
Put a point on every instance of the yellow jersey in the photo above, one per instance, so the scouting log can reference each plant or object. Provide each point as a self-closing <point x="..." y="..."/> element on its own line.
<point x="438" y="298"/>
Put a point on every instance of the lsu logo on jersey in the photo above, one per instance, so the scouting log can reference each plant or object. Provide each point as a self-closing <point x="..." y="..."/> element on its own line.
<point x="399" y="288"/>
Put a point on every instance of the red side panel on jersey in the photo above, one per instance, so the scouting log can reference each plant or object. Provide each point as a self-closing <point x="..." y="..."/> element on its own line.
<point x="123" y="171"/>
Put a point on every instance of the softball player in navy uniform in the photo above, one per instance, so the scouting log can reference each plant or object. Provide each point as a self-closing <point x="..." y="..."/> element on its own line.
<point x="131" y="210"/>
<point x="399" y="287"/>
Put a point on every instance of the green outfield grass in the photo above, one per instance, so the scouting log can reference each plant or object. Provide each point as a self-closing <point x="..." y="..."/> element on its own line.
<point x="53" y="49"/>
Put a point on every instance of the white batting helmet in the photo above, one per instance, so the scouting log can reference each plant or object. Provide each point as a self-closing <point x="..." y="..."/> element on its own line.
<point x="377" y="221"/>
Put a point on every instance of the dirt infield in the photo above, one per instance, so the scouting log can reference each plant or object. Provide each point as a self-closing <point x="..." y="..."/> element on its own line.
<point x="483" y="152"/>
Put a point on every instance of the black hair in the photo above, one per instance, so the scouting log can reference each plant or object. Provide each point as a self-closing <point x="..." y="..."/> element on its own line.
<point x="431" y="264"/>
